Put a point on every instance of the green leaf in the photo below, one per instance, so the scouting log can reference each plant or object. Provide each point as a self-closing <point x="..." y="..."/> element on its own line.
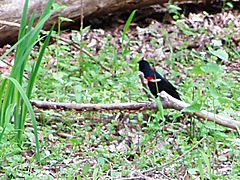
<point x="9" y="114"/>
<point x="194" y="107"/>
<point x="197" y="70"/>
<point x="217" y="43"/>
<point x="63" y="19"/>
<point x="86" y="169"/>
<point x="214" y="92"/>
<point x="160" y="107"/>
<point x="214" y="126"/>
<point x="222" y="158"/>
<point x="30" y="110"/>
<point x="127" y="25"/>
<point x="212" y="68"/>
<point x="173" y="8"/>
<point x="124" y="35"/>
<point x="102" y="160"/>
<point x="95" y="173"/>
<point x="220" y="53"/>
<point x="200" y="168"/>
<point x="58" y="7"/>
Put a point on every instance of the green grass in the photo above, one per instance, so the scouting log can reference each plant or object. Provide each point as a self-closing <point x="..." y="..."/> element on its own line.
<point x="103" y="144"/>
<point x="14" y="97"/>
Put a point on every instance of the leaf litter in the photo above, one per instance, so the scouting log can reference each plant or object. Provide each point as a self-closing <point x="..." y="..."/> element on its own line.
<point x="74" y="150"/>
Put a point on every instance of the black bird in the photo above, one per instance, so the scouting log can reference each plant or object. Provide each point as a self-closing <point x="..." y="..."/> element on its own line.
<point x="156" y="82"/>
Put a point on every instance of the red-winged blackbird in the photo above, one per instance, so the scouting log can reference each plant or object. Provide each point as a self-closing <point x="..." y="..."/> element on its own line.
<point x="156" y="82"/>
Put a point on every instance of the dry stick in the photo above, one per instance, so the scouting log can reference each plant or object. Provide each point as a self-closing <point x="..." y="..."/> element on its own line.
<point x="176" y="159"/>
<point x="8" y="23"/>
<point x="168" y="102"/>
<point x="132" y="178"/>
<point x="95" y="107"/>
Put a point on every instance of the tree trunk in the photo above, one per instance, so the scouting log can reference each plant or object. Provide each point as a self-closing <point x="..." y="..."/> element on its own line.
<point x="11" y="10"/>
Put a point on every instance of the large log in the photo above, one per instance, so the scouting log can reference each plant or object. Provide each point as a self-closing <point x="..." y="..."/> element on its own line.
<point x="11" y="10"/>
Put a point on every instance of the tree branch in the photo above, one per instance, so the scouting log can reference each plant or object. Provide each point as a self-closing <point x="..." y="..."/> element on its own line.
<point x="172" y="103"/>
<point x="168" y="103"/>
<point x="95" y="107"/>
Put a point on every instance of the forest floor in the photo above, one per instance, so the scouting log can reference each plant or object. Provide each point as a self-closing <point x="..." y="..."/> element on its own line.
<point x="199" y="54"/>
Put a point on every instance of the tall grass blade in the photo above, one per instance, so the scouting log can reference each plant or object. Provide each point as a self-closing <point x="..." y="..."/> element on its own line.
<point x="125" y="30"/>
<point x="30" y="109"/>
<point x="34" y="72"/>
<point x="14" y="101"/>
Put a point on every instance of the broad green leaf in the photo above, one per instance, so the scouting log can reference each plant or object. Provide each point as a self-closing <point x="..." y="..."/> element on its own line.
<point x="197" y="70"/>
<point x="200" y="168"/>
<point x="220" y="53"/>
<point x="86" y="169"/>
<point x="95" y="173"/>
<point x="214" y="92"/>
<point x="102" y="160"/>
<point x="222" y="158"/>
<point x="217" y="43"/>
<point x="173" y="8"/>
<point x="212" y="68"/>
<point x="214" y="126"/>
<point x="194" y="107"/>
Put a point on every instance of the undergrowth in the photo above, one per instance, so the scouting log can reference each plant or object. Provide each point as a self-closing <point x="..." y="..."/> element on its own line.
<point x="128" y="144"/>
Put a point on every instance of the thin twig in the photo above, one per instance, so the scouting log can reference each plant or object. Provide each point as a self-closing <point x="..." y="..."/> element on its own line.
<point x="132" y="178"/>
<point x="8" y="23"/>
<point x="7" y="63"/>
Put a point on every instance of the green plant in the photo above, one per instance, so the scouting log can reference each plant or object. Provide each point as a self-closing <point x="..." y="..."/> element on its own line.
<point x="206" y="156"/>
<point x="175" y="10"/>
<point x="124" y="44"/>
<point x="228" y="5"/>
<point x="14" y="100"/>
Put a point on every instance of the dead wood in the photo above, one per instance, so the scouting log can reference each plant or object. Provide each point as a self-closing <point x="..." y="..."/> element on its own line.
<point x="172" y="103"/>
<point x="95" y="107"/>
<point x="168" y="103"/>
<point x="11" y="11"/>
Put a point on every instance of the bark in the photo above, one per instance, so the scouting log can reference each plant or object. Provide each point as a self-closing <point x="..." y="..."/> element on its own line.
<point x="95" y="107"/>
<point x="168" y="102"/>
<point x="11" y="10"/>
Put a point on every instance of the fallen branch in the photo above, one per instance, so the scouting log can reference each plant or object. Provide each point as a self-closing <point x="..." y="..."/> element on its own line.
<point x="168" y="103"/>
<point x="172" y="103"/>
<point x="95" y="107"/>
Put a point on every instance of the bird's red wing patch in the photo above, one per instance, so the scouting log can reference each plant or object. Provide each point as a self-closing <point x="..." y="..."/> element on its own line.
<point x="150" y="78"/>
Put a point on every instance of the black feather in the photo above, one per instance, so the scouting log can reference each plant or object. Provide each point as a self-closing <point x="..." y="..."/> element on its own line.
<point x="161" y="85"/>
